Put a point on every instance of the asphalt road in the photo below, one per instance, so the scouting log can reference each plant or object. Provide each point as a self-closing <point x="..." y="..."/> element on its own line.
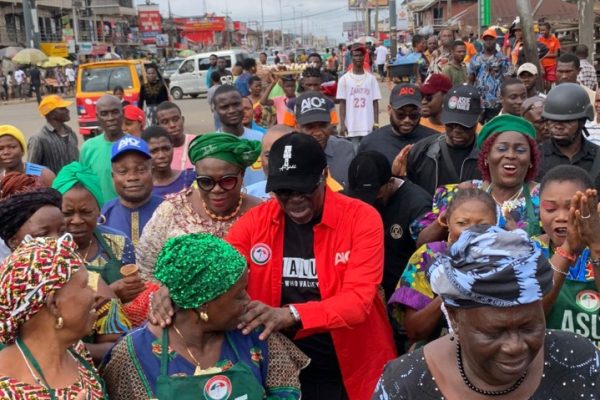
<point x="198" y="118"/>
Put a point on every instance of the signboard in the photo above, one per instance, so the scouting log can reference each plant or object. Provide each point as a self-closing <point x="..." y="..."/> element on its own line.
<point x="485" y="12"/>
<point x="240" y="27"/>
<point x="364" y="4"/>
<point x="149" y="23"/>
<point x="162" y="40"/>
<point x="197" y="24"/>
<point x="85" y="48"/>
<point x="402" y="21"/>
<point x="59" y="49"/>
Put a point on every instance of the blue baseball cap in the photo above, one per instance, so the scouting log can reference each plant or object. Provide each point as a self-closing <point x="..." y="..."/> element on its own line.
<point x="128" y="144"/>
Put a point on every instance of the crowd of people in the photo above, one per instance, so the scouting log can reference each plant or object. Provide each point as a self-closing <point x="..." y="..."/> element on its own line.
<point x="300" y="248"/>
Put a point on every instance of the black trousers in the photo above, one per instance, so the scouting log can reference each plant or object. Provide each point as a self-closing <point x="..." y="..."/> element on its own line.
<point x="317" y="388"/>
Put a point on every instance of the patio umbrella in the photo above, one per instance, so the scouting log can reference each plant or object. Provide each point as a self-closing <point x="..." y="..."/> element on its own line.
<point x="112" y="56"/>
<point x="366" y="39"/>
<point x="29" y="56"/>
<point x="9" y="52"/>
<point x="55" y="62"/>
<point x="187" y="53"/>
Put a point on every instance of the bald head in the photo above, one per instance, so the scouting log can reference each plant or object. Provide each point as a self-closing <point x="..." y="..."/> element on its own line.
<point x="273" y="133"/>
<point x="110" y="116"/>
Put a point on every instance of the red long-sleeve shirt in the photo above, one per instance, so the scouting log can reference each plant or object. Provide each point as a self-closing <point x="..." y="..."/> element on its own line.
<point x="348" y="248"/>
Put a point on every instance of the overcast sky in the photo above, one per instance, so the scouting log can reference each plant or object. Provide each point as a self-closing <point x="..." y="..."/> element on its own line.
<point x="321" y="17"/>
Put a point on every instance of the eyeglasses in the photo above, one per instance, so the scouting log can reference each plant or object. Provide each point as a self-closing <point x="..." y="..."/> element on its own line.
<point x="412" y="116"/>
<point x="286" y="194"/>
<point x="227" y="182"/>
<point x="428" y="97"/>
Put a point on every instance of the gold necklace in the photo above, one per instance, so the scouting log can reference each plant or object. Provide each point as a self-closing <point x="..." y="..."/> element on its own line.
<point x="87" y="251"/>
<point x="513" y="197"/>
<point x="226" y="217"/>
<point x="199" y="370"/>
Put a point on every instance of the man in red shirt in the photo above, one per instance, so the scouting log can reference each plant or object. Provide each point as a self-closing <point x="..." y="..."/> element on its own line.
<point x="316" y="263"/>
<point x="549" y="60"/>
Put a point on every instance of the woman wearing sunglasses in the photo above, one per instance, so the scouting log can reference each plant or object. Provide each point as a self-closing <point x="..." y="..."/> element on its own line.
<point x="212" y="205"/>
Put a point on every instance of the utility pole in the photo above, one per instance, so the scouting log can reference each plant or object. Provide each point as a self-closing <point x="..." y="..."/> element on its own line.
<point x="76" y="22"/>
<point x="301" y="29"/>
<point x="281" y="26"/>
<point x="586" y="26"/>
<point x="262" y="24"/>
<point x="529" y="42"/>
<point x="393" y="26"/>
<point x="32" y="29"/>
<point x="377" y="20"/>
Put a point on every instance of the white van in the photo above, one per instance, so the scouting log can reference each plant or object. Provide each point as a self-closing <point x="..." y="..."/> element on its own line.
<point x="190" y="77"/>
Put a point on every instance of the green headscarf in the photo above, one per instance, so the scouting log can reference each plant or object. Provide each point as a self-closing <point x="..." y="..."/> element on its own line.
<point x="75" y="173"/>
<point x="198" y="268"/>
<point x="505" y="123"/>
<point x="226" y="147"/>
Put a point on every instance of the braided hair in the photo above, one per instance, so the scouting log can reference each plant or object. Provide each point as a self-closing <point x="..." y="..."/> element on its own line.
<point x="16" y="210"/>
<point x="17" y="182"/>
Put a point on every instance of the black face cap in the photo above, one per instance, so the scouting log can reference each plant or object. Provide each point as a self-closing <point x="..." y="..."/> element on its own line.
<point x="368" y="172"/>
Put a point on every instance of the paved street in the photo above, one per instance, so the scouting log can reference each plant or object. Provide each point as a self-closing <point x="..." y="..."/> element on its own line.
<point x="198" y="119"/>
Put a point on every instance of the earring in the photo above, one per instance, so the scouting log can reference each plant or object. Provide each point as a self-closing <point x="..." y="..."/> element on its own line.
<point x="101" y="219"/>
<point x="485" y="163"/>
<point x="59" y="323"/>
<point x="530" y="166"/>
<point x="203" y="316"/>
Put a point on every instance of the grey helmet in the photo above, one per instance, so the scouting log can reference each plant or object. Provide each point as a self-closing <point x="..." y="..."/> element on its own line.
<point x="567" y="102"/>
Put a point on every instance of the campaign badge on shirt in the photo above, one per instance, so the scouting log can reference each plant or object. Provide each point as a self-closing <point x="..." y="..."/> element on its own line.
<point x="260" y="254"/>
<point x="218" y="388"/>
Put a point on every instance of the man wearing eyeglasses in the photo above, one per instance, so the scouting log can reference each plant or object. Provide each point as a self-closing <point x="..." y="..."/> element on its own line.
<point x="452" y="157"/>
<point x="316" y="258"/>
<point x="433" y="91"/>
<point x="404" y="128"/>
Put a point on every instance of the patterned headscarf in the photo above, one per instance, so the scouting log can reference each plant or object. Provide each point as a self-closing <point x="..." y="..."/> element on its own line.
<point x="36" y="269"/>
<point x="197" y="268"/>
<point x="226" y="147"/>
<point x="488" y="266"/>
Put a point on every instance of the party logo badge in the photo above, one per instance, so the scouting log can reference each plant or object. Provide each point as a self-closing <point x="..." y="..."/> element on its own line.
<point x="260" y="254"/>
<point x="589" y="300"/>
<point x="217" y="388"/>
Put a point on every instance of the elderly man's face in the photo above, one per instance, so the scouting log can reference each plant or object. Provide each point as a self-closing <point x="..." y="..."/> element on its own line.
<point x="499" y="344"/>
<point x="302" y="208"/>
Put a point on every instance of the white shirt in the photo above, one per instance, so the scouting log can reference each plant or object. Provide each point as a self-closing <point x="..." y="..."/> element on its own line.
<point x="359" y="91"/>
<point x="593" y="129"/>
<point x="70" y="73"/>
<point x="381" y="55"/>
<point x="19" y="76"/>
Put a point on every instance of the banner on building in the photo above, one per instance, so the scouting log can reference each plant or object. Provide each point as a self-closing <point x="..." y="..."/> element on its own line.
<point x="402" y="21"/>
<point x="162" y="40"/>
<point x="197" y="24"/>
<point x="149" y="23"/>
<point x="364" y="4"/>
<point x="58" y="49"/>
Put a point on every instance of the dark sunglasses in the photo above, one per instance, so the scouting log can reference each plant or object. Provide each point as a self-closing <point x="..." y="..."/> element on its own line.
<point x="227" y="182"/>
<point x="286" y="194"/>
<point x="413" y="116"/>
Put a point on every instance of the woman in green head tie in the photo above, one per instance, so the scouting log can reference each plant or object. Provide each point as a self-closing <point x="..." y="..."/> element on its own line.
<point x="212" y="205"/>
<point x="202" y="354"/>
<point x="508" y="161"/>
<point x="104" y="249"/>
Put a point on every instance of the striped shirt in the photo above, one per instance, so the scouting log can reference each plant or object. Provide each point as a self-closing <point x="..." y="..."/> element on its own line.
<point x="587" y="75"/>
<point x="51" y="150"/>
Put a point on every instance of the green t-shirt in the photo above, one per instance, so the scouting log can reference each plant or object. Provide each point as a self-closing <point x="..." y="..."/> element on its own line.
<point x="457" y="76"/>
<point x="96" y="153"/>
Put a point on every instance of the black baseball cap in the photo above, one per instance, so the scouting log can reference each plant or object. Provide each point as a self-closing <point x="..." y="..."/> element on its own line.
<point x="312" y="107"/>
<point x="368" y="172"/>
<point x="462" y="105"/>
<point x="296" y="162"/>
<point x="405" y="94"/>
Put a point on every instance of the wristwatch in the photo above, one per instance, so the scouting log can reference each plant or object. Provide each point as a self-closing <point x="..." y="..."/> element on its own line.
<point x="294" y="313"/>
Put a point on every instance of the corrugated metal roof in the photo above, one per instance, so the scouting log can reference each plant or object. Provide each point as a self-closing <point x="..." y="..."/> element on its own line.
<point x="504" y="12"/>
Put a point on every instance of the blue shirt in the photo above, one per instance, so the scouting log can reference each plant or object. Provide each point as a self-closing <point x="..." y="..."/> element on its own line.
<point x="209" y="72"/>
<point x="258" y="189"/>
<point x="254" y="173"/>
<point x="184" y="180"/>
<point x="241" y="84"/>
<point x="489" y="75"/>
<point x="127" y="220"/>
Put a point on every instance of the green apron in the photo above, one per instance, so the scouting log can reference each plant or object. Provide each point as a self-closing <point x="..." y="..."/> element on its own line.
<point x="111" y="271"/>
<point x="576" y="310"/>
<point x="31" y="359"/>
<point x="238" y="382"/>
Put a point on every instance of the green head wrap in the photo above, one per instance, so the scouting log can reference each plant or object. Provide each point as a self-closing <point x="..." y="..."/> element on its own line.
<point x="505" y="123"/>
<point x="75" y="173"/>
<point x="226" y="147"/>
<point x="197" y="268"/>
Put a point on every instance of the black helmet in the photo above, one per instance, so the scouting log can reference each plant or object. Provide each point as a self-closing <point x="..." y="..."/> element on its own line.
<point x="566" y="102"/>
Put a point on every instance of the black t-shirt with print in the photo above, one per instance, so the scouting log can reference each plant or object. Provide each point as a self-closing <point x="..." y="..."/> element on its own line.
<point x="300" y="285"/>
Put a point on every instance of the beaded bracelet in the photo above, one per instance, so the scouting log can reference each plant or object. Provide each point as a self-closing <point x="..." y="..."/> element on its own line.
<point x="563" y="253"/>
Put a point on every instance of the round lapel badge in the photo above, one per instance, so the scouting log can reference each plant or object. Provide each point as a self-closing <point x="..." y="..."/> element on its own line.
<point x="396" y="231"/>
<point x="589" y="300"/>
<point x="218" y="388"/>
<point x="260" y="254"/>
